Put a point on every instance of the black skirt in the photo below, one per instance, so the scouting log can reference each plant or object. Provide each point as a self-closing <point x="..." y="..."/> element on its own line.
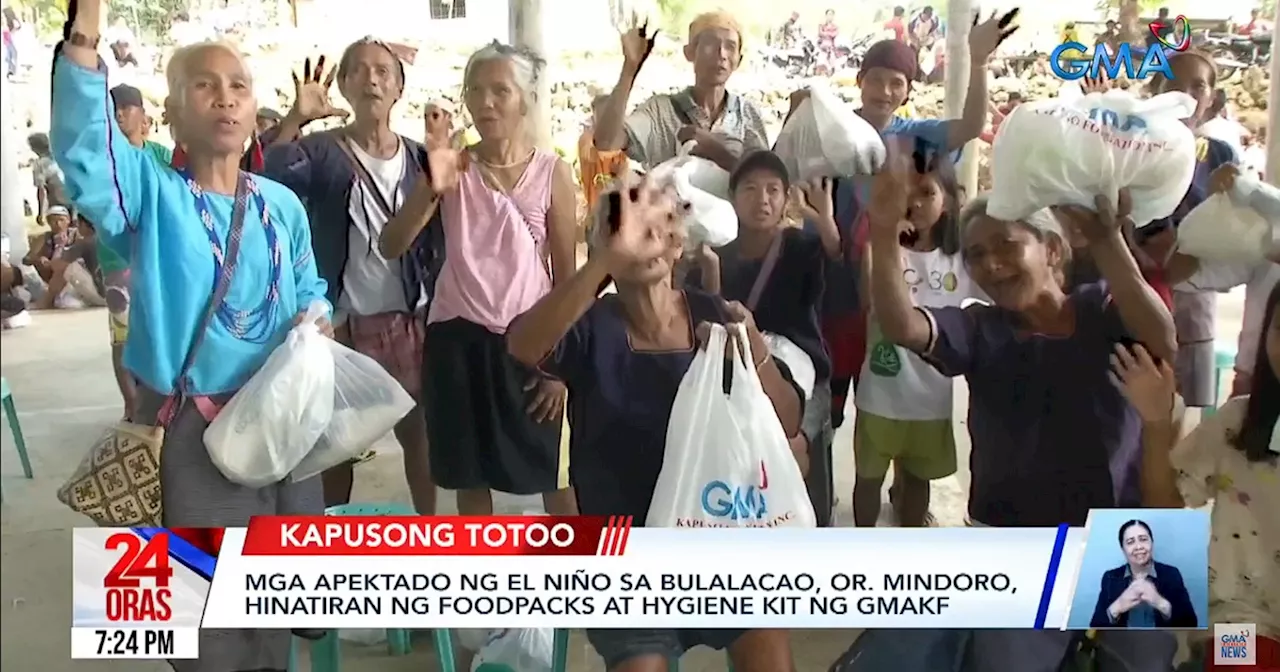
<point x="480" y="433"/>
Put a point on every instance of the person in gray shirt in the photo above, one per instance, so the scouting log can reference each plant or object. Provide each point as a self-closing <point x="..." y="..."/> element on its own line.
<point x="724" y="125"/>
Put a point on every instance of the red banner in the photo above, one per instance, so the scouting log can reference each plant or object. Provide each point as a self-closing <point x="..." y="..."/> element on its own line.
<point x="437" y="535"/>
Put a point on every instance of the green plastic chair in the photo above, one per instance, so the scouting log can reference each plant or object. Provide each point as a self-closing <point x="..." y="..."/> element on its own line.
<point x="1224" y="360"/>
<point x="326" y="654"/>
<point x="11" y="415"/>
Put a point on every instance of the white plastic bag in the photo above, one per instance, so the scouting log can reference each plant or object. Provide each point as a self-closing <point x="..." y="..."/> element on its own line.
<point x="727" y="461"/>
<point x="1069" y="149"/>
<point x="798" y="362"/>
<point x="824" y="138"/>
<point x="704" y="174"/>
<point x="271" y="424"/>
<point x="363" y="636"/>
<point x="1233" y="227"/>
<point x="711" y="219"/>
<point x="367" y="403"/>
<point x="517" y="650"/>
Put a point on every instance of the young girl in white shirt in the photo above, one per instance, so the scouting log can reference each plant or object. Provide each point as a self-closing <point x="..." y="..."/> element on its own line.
<point x="904" y="404"/>
<point x="1232" y="459"/>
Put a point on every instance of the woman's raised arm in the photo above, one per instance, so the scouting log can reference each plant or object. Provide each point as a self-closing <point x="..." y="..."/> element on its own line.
<point x="104" y="174"/>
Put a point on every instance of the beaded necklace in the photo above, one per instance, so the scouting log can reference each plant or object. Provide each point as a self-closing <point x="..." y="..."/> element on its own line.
<point x="256" y="324"/>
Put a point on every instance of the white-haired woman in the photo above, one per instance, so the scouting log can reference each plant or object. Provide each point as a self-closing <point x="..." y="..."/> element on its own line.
<point x="191" y="345"/>
<point x="509" y="214"/>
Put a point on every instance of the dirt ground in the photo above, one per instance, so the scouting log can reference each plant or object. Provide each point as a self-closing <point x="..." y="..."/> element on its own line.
<point x="60" y="372"/>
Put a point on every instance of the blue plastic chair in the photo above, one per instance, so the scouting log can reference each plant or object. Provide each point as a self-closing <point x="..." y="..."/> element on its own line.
<point x="326" y="655"/>
<point x="1224" y="360"/>
<point x="11" y="415"/>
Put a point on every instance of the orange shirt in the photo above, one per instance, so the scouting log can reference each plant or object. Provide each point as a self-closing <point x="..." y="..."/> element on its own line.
<point x="596" y="168"/>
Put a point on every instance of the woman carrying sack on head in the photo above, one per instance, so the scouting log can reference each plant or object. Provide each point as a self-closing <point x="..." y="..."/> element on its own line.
<point x="221" y="268"/>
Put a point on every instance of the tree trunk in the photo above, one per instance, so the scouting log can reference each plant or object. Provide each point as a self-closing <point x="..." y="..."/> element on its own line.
<point x="1131" y="22"/>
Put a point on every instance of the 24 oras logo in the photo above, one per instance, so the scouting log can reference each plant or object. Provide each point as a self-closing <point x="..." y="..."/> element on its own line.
<point x="1072" y="61"/>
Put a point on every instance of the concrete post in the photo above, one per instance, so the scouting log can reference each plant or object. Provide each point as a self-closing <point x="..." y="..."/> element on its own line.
<point x="11" y="187"/>
<point x="526" y="25"/>
<point x="1273" y="114"/>
<point x="959" y="22"/>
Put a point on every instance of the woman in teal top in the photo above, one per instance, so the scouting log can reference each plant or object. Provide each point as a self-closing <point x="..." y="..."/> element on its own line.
<point x="175" y="228"/>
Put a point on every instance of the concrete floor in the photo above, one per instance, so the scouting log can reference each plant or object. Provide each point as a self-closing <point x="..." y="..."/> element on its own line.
<point x="59" y="369"/>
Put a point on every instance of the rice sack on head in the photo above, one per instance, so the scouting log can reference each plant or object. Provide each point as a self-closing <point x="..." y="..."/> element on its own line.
<point x="1069" y="149"/>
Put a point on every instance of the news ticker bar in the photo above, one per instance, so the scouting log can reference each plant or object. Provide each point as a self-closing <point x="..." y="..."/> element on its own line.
<point x="135" y="643"/>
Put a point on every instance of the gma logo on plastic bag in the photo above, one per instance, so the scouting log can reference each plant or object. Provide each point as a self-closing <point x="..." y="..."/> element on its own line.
<point x="740" y="505"/>
<point x="1071" y="59"/>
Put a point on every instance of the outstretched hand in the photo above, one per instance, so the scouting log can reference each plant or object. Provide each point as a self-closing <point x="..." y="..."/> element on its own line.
<point x="445" y="160"/>
<point x="637" y="43"/>
<point x="311" y="100"/>
<point x="641" y="226"/>
<point x="1148" y="386"/>
<point x="985" y="36"/>
<point x="1102" y="221"/>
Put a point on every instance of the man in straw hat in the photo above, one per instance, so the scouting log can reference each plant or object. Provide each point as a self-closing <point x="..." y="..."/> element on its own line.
<point x="722" y="124"/>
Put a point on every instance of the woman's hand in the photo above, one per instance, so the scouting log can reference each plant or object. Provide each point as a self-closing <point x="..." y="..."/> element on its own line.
<point x="891" y="196"/>
<point x="548" y="398"/>
<point x="1129" y="599"/>
<point x="311" y="100"/>
<point x="322" y="324"/>
<point x="645" y="222"/>
<point x="1148" y="386"/>
<point x="1100" y="223"/>
<point x="814" y="198"/>
<point x="1223" y="178"/>
<point x="445" y="162"/>
<point x="738" y="314"/>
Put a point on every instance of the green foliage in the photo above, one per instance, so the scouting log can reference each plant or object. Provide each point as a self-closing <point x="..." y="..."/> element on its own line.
<point x="149" y="18"/>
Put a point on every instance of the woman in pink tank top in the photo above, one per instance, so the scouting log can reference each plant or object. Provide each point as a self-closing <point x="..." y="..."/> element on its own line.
<point x="509" y="215"/>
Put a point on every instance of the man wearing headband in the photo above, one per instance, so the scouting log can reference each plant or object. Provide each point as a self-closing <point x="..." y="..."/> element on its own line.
<point x="353" y="180"/>
<point x="722" y="124"/>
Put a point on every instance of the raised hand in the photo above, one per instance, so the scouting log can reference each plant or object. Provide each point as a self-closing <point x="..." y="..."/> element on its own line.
<point x="1223" y="178"/>
<point x="311" y="100"/>
<point x="445" y="161"/>
<point x="814" y="198"/>
<point x="1097" y="224"/>
<point x="637" y="44"/>
<point x="984" y="37"/>
<point x="891" y="195"/>
<point x="641" y="225"/>
<point x="1148" y="386"/>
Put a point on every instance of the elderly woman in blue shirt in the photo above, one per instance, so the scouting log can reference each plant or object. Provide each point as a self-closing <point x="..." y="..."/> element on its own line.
<point x="175" y="228"/>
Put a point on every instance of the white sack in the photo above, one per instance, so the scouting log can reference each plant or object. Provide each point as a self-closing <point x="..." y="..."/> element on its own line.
<point x="1069" y="149"/>
<point x="1237" y="226"/>
<point x="367" y="403"/>
<point x="271" y="424"/>
<point x="727" y="461"/>
<point x="825" y="138"/>
<point x="711" y="219"/>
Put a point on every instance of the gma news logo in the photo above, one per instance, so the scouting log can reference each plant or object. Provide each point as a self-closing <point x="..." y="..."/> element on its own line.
<point x="140" y="561"/>
<point x="1235" y="644"/>
<point x="1071" y="60"/>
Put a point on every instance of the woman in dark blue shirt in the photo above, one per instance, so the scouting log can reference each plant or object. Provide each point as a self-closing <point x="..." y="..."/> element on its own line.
<point x="622" y="357"/>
